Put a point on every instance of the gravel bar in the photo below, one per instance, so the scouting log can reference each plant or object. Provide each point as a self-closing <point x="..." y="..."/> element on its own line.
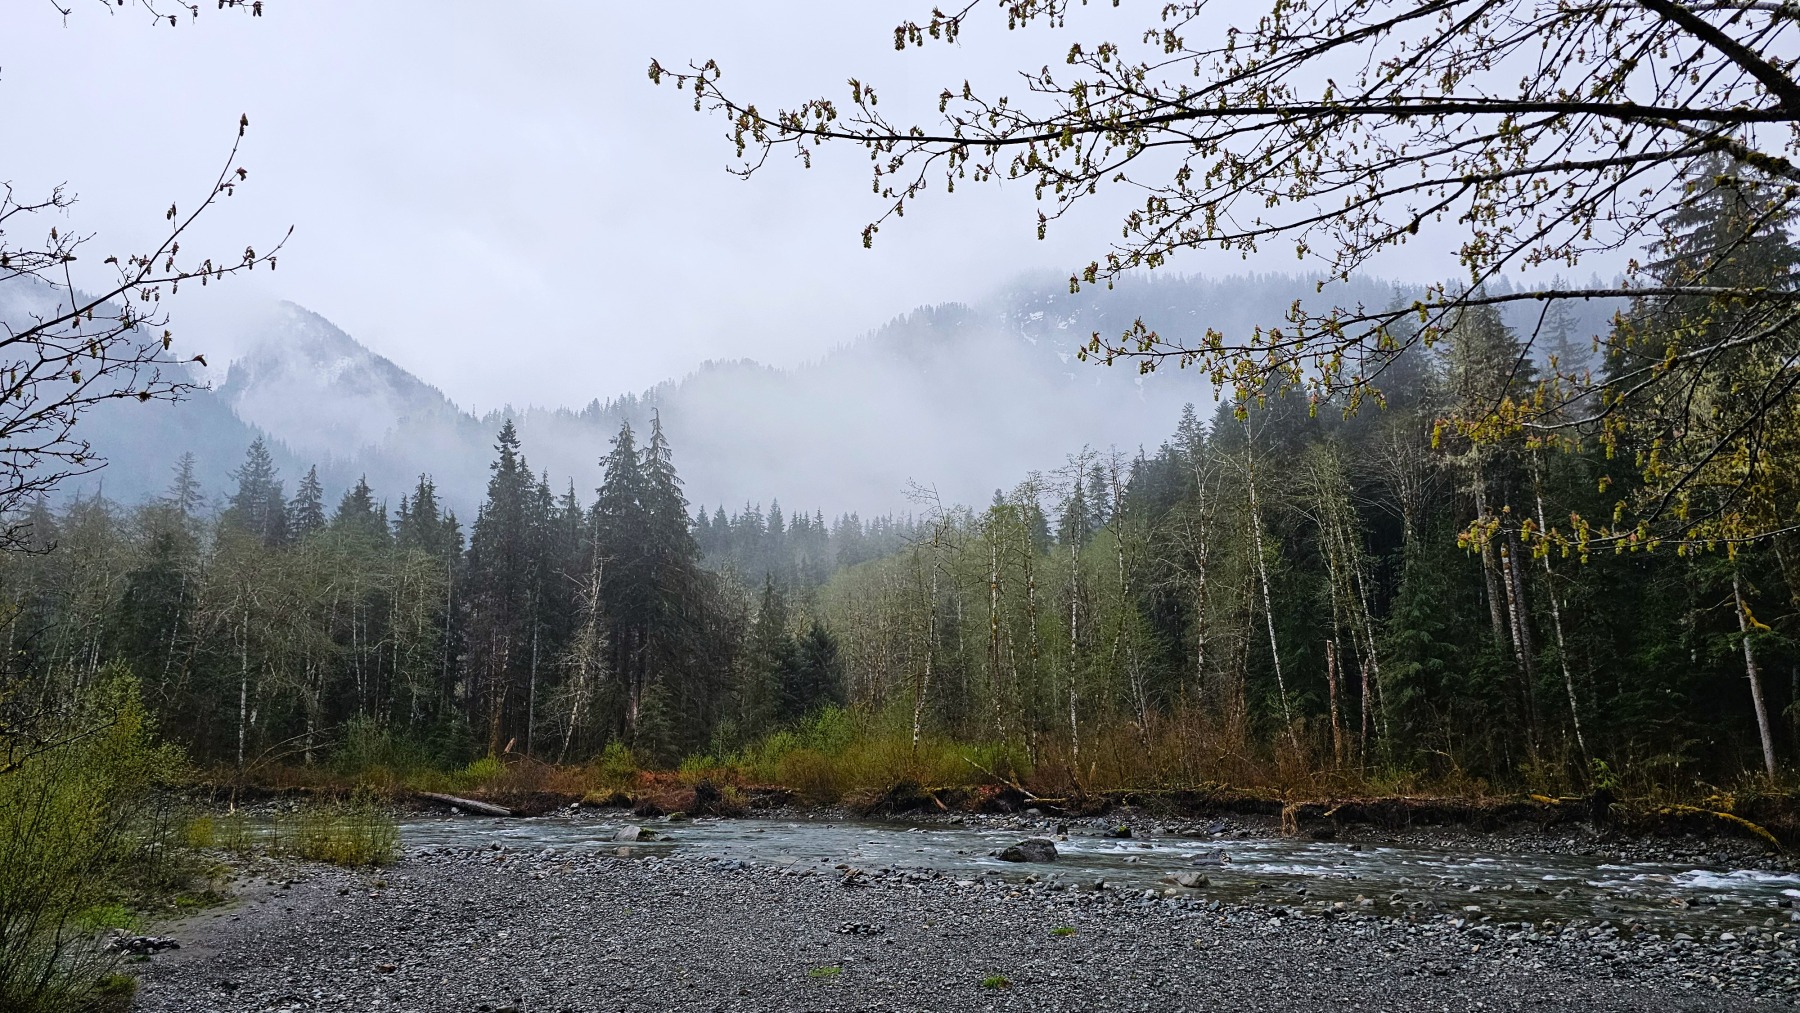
<point x="537" y="931"/>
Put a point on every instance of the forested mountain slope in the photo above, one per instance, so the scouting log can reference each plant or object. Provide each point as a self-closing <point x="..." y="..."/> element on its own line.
<point x="955" y="398"/>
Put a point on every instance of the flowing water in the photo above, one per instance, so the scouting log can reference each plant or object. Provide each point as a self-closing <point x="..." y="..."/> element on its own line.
<point x="1390" y="879"/>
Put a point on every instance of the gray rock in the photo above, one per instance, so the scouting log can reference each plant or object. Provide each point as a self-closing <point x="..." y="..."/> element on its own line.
<point x="141" y="944"/>
<point x="1036" y="849"/>
<point x="632" y="832"/>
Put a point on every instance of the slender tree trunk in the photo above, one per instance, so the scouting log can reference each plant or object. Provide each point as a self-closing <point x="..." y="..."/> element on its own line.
<point x="1362" y="740"/>
<point x="444" y="687"/>
<point x="1562" y="646"/>
<point x="531" y="692"/>
<point x="924" y="683"/>
<point x="1074" y="645"/>
<point x="1262" y="573"/>
<point x="243" y="686"/>
<point x="994" y="680"/>
<point x="1750" y="670"/>
<point x="1331" y="679"/>
<point x="1523" y="651"/>
<point x="1032" y="652"/>
<point x="1489" y="569"/>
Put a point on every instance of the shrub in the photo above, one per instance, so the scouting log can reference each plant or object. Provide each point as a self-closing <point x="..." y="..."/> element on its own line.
<point x="613" y="772"/>
<point x="71" y="801"/>
<point x="202" y="832"/>
<point x="351" y="833"/>
<point x="234" y="832"/>
<point x="480" y="772"/>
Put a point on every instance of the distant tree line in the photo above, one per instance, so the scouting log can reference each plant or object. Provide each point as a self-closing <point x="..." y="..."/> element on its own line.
<point x="1284" y="586"/>
<point x="278" y="628"/>
<point x="1383" y="592"/>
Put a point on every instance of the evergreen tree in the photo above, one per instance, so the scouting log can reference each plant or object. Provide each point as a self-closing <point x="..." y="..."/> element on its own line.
<point x="423" y="526"/>
<point x="818" y="674"/>
<point x="498" y="595"/>
<point x="258" y="507"/>
<point x="306" y="512"/>
<point x="771" y="678"/>
<point x="184" y="495"/>
<point x="359" y="516"/>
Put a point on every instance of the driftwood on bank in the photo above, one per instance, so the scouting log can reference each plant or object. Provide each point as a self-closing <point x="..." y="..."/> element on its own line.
<point x="484" y="808"/>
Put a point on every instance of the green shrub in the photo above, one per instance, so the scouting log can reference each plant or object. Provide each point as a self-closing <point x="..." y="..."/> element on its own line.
<point x="352" y="833"/>
<point x="202" y="832"/>
<point x="835" y="752"/>
<point x="697" y="767"/>
<point x="371" y="750"/>
<point x="234" y="832"/>
<point x="108" y="915"/>
<point x="481" y="772"/>
<point x="72" y="809"/>
<point x="615" y="768"/>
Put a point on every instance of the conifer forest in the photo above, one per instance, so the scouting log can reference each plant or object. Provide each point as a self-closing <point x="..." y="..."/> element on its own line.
<point x="1017" y="505"/>
<point x="1278" y="593"/>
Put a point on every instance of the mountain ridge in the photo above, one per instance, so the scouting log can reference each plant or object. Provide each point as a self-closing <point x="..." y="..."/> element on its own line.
<point x="946" y="396"/>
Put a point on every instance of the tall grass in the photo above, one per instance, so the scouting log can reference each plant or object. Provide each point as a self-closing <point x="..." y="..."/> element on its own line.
<point x="352" y="833"/>
<point x="835" y="754"/>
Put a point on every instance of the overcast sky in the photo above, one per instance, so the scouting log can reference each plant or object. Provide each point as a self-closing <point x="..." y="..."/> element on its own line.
<point x="495" y="196"/>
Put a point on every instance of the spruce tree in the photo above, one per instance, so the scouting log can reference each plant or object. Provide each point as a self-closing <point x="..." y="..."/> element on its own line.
<point x="766" y="697"/>
<point x="306" y="512"/>
<point x="184" y="495"/>
<point x="422" y="525"/>
<point x="258" y="507"/>
<point x="497" y="596"/>
<point x="818" y="674"/>
<point x="619" y="533"/>
<point x="359" y="516"/>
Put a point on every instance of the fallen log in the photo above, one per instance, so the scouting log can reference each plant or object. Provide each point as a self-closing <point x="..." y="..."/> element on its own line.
<point x="1734" y="820"/>
<point x="484" y="808"/>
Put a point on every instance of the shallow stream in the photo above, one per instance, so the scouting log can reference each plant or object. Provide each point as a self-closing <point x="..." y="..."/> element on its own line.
<point x="1388" y="879"/>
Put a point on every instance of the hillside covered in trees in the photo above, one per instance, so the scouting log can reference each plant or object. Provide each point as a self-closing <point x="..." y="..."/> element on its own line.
<point x="1280" y="591"/>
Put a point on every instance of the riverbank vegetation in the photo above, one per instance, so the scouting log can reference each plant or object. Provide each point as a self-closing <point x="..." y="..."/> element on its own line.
<point x="1282" y="596"/>
<point x="86" y="842"/>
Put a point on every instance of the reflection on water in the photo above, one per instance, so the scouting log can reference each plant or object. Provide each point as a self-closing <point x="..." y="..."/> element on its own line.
<point x="1388" y="879"/>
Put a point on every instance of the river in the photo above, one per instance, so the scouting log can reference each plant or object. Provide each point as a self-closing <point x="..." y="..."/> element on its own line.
<point x="1391" y="878"/>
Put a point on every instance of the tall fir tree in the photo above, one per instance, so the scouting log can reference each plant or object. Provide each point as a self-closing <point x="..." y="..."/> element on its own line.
<point x="258" y="507"/>
<point x="497" y="597"/>
<point x="306" y="512"/>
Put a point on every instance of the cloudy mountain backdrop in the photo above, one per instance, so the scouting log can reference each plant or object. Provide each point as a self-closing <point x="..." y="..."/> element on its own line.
<point x="947" y="397"/>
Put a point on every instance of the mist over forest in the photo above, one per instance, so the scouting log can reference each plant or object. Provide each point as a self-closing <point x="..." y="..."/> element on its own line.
<point x="949" y="402"/>
<point x="681" y="532"/>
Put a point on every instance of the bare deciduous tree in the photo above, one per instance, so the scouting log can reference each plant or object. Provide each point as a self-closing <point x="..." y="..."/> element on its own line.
<point x="1512" y="135"/>
<point x="66" y="346"/>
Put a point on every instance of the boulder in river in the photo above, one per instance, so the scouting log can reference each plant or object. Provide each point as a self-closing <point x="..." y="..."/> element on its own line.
<point x="1191" y="880"/>
<point x="1036" y="849"/>
<point x="632" y="832"/>
<point x="1216" y="856"/>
